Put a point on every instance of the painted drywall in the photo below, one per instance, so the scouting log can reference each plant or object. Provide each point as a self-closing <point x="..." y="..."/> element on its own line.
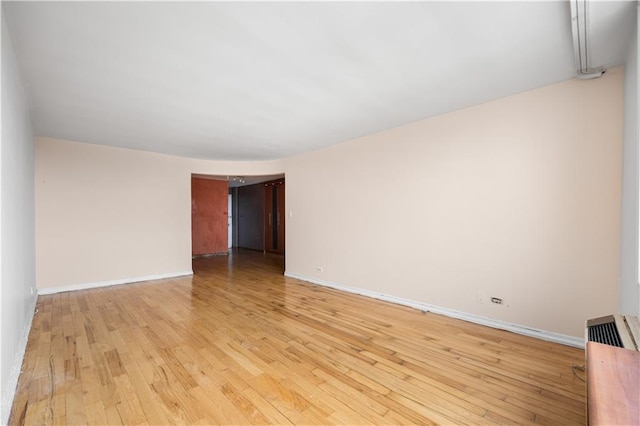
<point x="105" y="214"/>
<point x="251" y="216"/>
<point x="629" y="292"/>
<point x="93" y="204"/>
<point x="517" y="198"/>
<point x="209" y="216"/>
<point x="17" y="252"/>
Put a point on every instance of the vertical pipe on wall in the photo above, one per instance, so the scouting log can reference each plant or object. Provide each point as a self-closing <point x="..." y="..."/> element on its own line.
<point x="629" y="289"/>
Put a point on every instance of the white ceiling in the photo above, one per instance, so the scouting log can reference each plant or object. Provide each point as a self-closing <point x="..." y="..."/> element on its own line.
<point x="252" y="81"/>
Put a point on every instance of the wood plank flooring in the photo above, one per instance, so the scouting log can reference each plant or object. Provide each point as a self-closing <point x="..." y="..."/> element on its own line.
<point x="238" y="343"/>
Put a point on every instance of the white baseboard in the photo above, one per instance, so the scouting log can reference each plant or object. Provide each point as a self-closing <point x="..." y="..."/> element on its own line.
<point x="14" y="373"/>
<point x="85" y="286"/>
<point x="477" y="319"/>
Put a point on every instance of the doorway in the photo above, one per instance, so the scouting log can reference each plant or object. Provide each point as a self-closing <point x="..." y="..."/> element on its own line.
<point x="241" y="210"/>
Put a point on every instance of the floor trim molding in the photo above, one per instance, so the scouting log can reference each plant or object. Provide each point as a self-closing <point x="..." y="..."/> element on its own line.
<point x="16" y="368"/>
<point x="85" y="286"/>
<point x="477" y="319"/>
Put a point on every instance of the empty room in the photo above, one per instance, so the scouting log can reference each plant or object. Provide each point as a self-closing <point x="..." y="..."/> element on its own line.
<point x="319" y="213"/>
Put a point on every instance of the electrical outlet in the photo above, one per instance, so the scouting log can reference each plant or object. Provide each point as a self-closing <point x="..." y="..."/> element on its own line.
<point x="320" y="269"/>
<point x="481" y="298"/>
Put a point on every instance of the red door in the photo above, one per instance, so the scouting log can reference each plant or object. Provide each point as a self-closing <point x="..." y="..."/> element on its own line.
<point x="209" y="221"/>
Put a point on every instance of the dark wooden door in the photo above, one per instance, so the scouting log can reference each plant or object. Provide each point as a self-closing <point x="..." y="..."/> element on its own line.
<point x="268" y="218"/>
<point x="280" y="216"/>
<point x="274" y="217"/>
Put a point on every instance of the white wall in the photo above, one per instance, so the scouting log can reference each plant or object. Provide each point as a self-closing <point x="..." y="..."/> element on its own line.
<point x="629" y="295"/>
<point x="108" y="215"/>
<point x="517" y="198"/>
<point x="16" y="225"/>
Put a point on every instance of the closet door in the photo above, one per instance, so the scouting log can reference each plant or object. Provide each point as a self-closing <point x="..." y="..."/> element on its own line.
<point x="280" y="216"/>
<point x="268" y="218"/>
<point x="274" y="217"/>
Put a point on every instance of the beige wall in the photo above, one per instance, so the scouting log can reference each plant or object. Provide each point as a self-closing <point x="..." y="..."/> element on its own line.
<point x="106" y="214"/>
<point x="517" y="198"/>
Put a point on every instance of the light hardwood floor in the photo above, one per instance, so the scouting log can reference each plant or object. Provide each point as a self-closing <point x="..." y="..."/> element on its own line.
<point x="238" y="343"/>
